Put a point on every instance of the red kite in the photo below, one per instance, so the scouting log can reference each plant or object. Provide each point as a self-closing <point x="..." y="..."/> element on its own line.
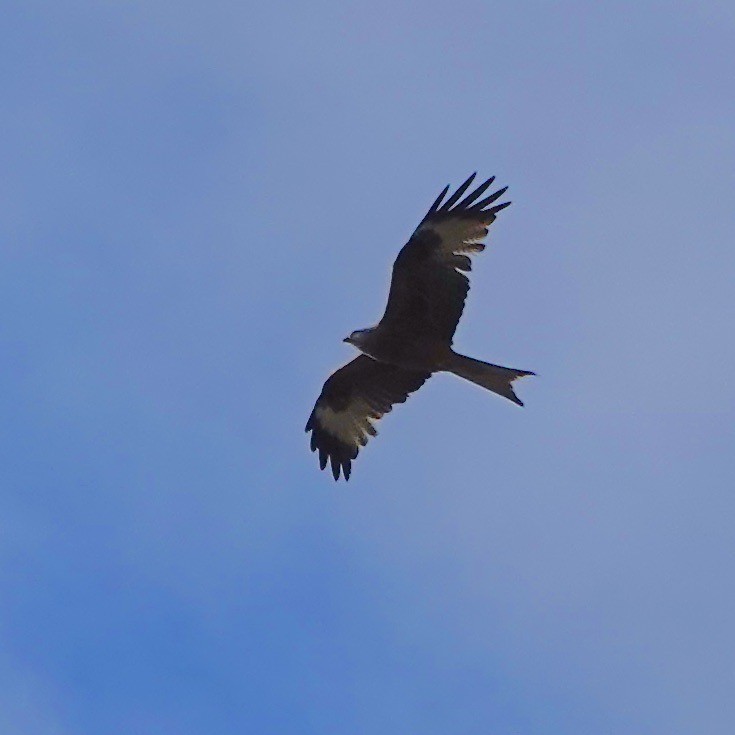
<point x="414" y="337"/>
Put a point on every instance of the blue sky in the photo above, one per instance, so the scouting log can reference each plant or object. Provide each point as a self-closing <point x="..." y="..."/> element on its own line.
<point x="198" y="202"/>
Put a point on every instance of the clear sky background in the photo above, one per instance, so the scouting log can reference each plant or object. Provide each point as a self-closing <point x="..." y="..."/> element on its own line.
<point x="198" y="201"/>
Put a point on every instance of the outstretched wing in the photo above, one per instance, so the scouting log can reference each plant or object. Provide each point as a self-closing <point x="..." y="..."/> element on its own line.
<point x="352" y="398"/>
<point x="428" y="291"/>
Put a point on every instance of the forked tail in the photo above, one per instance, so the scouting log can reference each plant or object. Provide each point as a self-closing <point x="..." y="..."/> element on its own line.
<point x="493" y="377"/>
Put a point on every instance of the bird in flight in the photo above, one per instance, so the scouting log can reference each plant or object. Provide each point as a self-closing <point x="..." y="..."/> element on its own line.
<point x="413" y="340"/>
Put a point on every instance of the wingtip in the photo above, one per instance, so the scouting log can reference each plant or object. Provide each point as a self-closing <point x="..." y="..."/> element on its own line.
<point x="498" y="207"/>
<point x="458" y="194"/>
<point x="437" y="202"/>
<point x="480" y="206"/>
<point x="345" y="470"/>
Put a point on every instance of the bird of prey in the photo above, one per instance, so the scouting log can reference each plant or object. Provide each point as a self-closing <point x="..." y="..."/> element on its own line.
<point x="413" y="339"/>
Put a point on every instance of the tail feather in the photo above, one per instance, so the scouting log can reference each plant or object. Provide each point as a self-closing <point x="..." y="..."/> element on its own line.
<point x="493" y="377"/>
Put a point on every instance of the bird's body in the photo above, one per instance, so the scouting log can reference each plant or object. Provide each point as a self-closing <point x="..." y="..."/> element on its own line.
<point x="407" y="351"/>
<point x="413" y="339"/>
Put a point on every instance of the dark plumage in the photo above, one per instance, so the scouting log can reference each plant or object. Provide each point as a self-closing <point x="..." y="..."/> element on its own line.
<point x="414" y="337"/>
<point x="356" y="394"/>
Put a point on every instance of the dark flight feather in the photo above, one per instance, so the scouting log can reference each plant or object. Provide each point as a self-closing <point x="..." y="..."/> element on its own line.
<point x="457" y="194"/>
<point x="477" y="193"/>
<point x="489" y="200"/>
<point x="433" y="208"/>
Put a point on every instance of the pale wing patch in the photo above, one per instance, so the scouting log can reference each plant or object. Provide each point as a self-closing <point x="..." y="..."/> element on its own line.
<point x="351" y="426"/>
<point x="458" y="234"/>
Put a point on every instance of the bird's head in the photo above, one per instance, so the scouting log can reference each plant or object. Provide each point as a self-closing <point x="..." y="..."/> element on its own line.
<point x="358" y="337"/>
